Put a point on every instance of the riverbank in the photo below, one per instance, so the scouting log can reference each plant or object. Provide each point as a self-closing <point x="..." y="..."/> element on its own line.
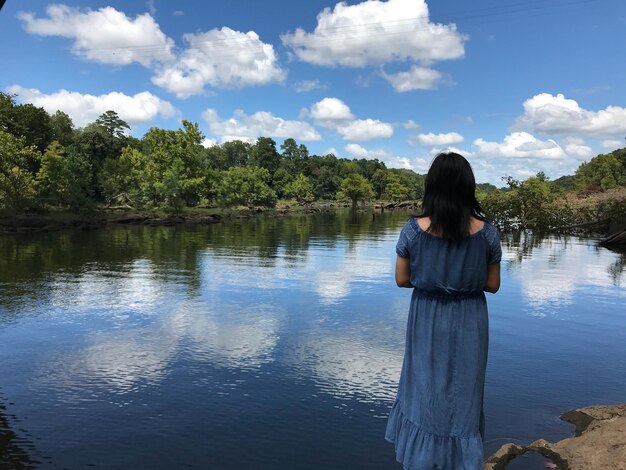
<point x="59" y="220"/>
<point x="599" y="213"/>
<point x="101" y="217"/>
<point x="599" y="442"/>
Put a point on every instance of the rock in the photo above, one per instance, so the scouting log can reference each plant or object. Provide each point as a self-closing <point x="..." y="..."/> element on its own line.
<point x="502" y="456"/>
<point x="129" y="219"/>
<point x="600" y="442"/>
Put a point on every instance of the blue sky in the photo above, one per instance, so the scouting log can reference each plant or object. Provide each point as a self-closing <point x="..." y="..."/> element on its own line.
<point x="516" y="86"/>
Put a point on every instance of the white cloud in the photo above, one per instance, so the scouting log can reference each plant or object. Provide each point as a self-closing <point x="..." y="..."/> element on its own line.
<point x="84" y="108"/>
<point x="417" y="78"/>
<point x="330" y="111"/>
<point x="355" y="150"/>
<point x="581" y="151"/>
<point x="222" y="58"/>
<point x="332" y="151"/>
<point x="365" y="129"/>
<point x="390" y="160"/>
<point x="551" y="114"/>
<point x="375" y="32"/>
<point x="178" y="13"/>
<point x="308" y="85"/>
<point x="519" y="145"/>
<point x="334" y="113"/>
<point x="260" y="124"/>
<point x="206" y="142"/>
<point x="440" y="139"/>
<point x="613" y="144"/>
<point x="104" y="35"/>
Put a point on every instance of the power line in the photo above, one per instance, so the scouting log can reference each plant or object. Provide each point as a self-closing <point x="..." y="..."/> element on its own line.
<point x="368" y="30"/>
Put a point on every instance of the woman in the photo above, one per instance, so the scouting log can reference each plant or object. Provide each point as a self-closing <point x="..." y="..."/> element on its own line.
<point x="449" y="255"/>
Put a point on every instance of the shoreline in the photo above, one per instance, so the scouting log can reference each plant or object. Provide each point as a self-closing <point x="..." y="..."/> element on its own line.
<point x="599" y="441"/>
<point x="12" y="223"/>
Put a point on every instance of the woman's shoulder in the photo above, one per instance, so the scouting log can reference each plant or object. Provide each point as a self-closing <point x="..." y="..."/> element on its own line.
<point x="489" y="231"/>
<point x="411" y="227"/>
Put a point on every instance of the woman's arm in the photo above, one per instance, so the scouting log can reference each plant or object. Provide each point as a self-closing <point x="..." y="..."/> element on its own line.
<point x="403" y="272"/>
<point x="493" y="278"/>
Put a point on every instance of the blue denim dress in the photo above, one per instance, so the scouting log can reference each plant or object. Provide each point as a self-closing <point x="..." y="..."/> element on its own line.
<point x="437" y="419"/>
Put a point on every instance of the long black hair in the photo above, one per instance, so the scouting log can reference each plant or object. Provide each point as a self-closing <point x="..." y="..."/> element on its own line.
<point x="449" y="196"/>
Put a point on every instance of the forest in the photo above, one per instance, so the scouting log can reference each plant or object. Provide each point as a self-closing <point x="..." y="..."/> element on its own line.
<point x="48" y="164"/>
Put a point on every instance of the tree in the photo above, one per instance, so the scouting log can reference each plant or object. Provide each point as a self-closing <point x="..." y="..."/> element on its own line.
<point x="97" y="144"/>
<point x="25" y="120"/>
<point x="379" y="182"/>
<point x="603" y="171"/>
<point x="300" y="189"/>
<point x="175" y="170"/>
<point x="121" y="178"/>
<point x="293" y="151"/>
<point x="280" y="180"/>
<point x="263" y="154"/>
<point x="289" y="148"/>
<point x="7" y="104"/>
<point x="367" y="167"/>
<point x="237" y="153"/>
<point x="64" y="178"/>
<point x="356" y="188"/>
<point x="113" y="124"/>
<point x="410" y="179"/>
<point x="247" y="186"/>
<point x="17" y="185"/>
<point x="396" y="191"/>
<point x="62" y="128"/>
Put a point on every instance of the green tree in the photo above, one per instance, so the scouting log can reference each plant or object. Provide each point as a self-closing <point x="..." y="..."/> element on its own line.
<point x="293" y="151"/>
<point x="356" y="188"/>
<point x="175" y="170"/>
<point x="17" y="184"/>
<point x="113" y="124"/>
<point x="121" y="178"/>
<point x="25" y="120"/>
<point x="62" y="128"/>
<point x="280" y="180"/>
<point x="603" y="172"/>
<point x="410" y="179"/>
<point x="7" y="103"/>
<point x="379" y="182"/>
<point x="98" y="143"/>
<point x="300" y="189"/>
<point x="263" y="154"/>
<point x="63" y="178"/>
<point x="237" y="153"/>
<point x="396" y="191"/>
<point x="247" y="186"/>
<point x="367" y="167"/>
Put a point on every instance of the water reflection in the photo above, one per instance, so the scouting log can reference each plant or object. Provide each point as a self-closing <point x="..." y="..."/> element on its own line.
<point x="300" y="313"/>
<point x="16" y="452"/>
<point x="123" y="360"/>
<point x="552" y="268"/>
<point x="350" y="366"/>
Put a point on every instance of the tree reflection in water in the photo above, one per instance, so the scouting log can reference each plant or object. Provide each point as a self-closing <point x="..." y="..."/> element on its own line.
<point x="16" y="452"/>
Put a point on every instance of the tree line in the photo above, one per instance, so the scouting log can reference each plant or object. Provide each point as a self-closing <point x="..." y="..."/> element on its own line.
<point x="540" y="203"/>
<point x="46" y="162"/>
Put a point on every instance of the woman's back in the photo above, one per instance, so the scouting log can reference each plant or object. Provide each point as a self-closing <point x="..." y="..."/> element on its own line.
<point x="445" y="267"/>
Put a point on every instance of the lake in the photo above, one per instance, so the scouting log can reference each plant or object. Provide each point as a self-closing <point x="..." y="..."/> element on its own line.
<point x="274" y="343"/>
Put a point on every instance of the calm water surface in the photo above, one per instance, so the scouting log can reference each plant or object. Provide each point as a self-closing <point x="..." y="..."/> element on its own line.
<point x="274" y="343"/>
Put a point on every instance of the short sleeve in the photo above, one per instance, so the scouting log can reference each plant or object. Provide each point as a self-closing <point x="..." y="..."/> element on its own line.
<point x="495" y="250"/>
<point x="406" y="235"/>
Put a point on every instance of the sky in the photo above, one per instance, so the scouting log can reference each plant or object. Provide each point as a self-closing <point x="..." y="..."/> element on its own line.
<point x="516" y="86"/>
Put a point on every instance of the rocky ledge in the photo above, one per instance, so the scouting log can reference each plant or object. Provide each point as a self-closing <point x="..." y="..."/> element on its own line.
<point x="599" y="442"/>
